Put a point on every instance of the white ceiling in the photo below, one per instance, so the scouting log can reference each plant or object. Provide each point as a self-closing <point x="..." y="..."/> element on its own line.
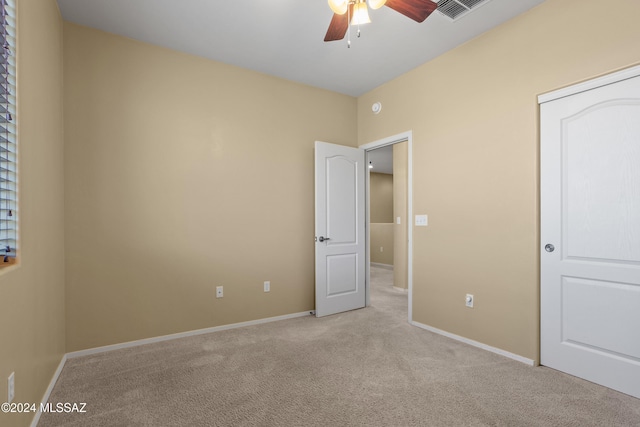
<point x="284" y="38"/>
<point x="381" y="159"/>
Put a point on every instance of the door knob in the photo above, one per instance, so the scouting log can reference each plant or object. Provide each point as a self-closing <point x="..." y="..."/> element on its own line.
<point x="549" y="247"/>
<point x="322" y="239"/>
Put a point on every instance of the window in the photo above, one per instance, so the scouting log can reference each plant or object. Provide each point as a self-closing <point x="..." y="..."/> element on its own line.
<point x="8" y="148"/>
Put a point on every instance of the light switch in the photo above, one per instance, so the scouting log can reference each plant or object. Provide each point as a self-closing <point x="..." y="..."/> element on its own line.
<point x="421" y="220"/>
<point x="398" y="220"/>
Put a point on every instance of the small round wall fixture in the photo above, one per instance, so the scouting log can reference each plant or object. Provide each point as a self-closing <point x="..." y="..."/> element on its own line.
<point x="376" y="107"/>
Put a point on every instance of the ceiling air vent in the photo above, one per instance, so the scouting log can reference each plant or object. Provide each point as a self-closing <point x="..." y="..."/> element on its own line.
<point x="454" y="9"/>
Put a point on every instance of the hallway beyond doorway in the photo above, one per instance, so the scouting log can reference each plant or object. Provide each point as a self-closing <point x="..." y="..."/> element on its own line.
<point x="384" y="296"/>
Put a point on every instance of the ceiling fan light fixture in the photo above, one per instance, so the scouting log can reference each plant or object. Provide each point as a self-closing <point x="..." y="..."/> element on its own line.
<point x="339" y="6"/>
<point x="376" y="4"/>
<point x="360" y="14"/>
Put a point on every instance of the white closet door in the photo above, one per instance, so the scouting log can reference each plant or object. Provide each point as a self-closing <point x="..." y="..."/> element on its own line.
<point x="590" y="234"/>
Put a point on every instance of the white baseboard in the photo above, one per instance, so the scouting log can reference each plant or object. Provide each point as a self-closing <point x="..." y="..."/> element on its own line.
<point x="47" y="393"/>
<point x="475" y="343"/>
<point x="379" y="265"/>
<point x="161" y="338"/>
<point x="136" y="343"/>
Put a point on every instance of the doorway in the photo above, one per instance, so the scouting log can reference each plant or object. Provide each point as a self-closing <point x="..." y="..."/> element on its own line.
<point x="401" y="218"/>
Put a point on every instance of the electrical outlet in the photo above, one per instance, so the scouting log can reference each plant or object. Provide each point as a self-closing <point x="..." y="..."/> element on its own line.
<point x="267" y="286"/>
<point x="12" y="387"/>
<point x="469" y="301"/>
<point x="219" y="292"/>
<point x="381" y="249"/>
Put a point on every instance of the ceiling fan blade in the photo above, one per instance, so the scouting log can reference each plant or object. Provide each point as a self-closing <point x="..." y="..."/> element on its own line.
<point x="418" y="10"/>
<point x="337" y="28"/>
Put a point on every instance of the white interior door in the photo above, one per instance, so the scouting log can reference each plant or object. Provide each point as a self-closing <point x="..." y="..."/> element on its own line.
<point x="590" y="234"/>
<point x="340" y="228"/>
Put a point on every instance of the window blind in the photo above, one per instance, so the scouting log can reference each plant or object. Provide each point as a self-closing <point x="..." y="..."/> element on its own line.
<point x="8" y="148"/>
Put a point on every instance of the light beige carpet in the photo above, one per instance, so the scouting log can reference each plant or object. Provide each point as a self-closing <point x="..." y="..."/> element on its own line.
<point x="367" y="367"/>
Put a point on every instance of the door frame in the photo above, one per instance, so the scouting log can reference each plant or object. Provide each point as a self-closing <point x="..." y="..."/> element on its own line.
<point x="394" y="139"/>
<point x="608" y="78"/>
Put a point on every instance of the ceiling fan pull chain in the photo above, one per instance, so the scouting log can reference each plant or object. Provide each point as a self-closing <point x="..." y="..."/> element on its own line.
<point x="348" y="27"/>
<point x="358" y="28"/>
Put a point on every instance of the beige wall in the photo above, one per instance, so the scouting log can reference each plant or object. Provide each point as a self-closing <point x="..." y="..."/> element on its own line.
<point x="381" y="235"/>
<point x="183" y="174"/>
<point x="381" y="216"/>
<point x="475" y="160"/>
<point x="400" y="207"/>
<point x="381" y="197"/>
<point x="32" y="338"/>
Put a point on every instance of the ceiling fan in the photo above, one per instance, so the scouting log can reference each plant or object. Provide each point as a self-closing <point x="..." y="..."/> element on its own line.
<point x="355" y="11"/>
